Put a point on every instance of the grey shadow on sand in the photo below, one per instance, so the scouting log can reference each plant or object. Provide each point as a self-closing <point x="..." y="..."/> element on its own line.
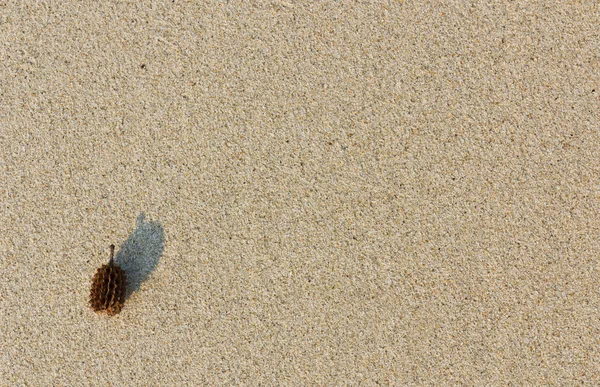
<point x="140" y="253"/>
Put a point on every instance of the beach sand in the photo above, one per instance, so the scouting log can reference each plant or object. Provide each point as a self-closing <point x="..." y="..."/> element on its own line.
<point x="391" y="193"/>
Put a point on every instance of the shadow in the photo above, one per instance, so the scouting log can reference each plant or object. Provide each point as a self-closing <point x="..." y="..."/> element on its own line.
<point x="140" y="253"/>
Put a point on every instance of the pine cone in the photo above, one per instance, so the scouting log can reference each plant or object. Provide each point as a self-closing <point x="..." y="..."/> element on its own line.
<point x="109" y="286"/>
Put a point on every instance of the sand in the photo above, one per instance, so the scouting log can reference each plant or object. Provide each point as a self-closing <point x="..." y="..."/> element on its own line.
<point x="388" y="193"/>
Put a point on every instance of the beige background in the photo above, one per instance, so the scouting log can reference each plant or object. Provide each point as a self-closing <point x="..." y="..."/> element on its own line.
<point x="304" y="193"/>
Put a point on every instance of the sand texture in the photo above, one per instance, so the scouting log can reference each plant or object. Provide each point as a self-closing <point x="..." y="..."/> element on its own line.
<point x="315" y="193"/>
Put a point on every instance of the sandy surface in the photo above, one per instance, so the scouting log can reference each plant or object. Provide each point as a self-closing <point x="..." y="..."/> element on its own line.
<point x="350" y="193"/>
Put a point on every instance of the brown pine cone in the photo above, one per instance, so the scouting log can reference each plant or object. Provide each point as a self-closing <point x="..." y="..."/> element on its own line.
<point x="109" y="286"/>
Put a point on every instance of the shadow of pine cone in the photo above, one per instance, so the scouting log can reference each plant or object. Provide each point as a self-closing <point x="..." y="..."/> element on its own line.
<point x="140" y="253"/>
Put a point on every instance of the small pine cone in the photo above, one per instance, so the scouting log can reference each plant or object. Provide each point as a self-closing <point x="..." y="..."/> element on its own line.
<point x="109" y="286"/>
